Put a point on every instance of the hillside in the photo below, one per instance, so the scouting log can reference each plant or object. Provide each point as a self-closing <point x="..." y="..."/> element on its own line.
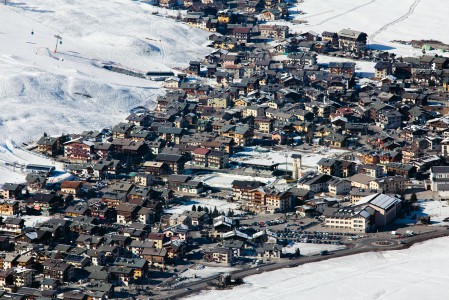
<point x="42" y="91"/>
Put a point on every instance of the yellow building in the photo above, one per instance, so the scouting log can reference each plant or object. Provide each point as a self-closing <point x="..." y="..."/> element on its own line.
<point x="9" y="208"/>
<point x="224" y="19"/>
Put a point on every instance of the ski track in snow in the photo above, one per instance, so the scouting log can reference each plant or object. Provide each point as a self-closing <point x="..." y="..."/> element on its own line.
<point x="344" y="13"/>
<point x="398" y="20"/>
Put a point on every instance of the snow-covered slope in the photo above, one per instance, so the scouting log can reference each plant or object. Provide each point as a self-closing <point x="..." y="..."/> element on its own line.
<point x="69" y="91"/>
<point x="14" y="159"/>
<point x="416" y="273"/>
<point x="382" y="20"/>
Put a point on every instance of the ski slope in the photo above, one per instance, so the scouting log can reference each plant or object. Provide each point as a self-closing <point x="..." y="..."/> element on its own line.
<point x="12" y="158"/>
<point x="69" y="91"/>
<point x="419" y="272"/>
<point x="383" y="20"/>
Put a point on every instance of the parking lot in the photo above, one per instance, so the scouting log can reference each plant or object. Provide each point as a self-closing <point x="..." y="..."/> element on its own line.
<point x="292" y="229"/>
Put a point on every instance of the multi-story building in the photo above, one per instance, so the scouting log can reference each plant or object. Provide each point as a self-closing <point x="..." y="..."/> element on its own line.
<point x="71" y="187"/>
<point x="23" y="277"/>
<point x="352" y="40"/>
<point x="218" y="159"/>
<point x="372" y="170"/>
<point x="138" y="265"/>
<point x="316" y="183"/>
<point x="439" y="178"/>
<point x="342" y="68"/>
<point x="263" y="124"/>
<point x="339" y="186"/>
<point x="9" y="207"/>
<point x="11" y="191"/>
<point x="244" y="190"/>
<point x="385" y="207"/>
<point x="45" y="203"/>
<point x="57" y="269"/>
<point x="242" y="34"/>
<point x="12" y="226"/>
<point x="219" y="255"/>
<point x="331" y="37"/>
<point x="126" y="213"/>
<point x="276" y="200"/>
<point x="122" y="130"/>
<point x="382" y="69"/>
<point x="390" y="185"/>
<point x="49" y="145"/>
<point x="350" y="219"/>
<point x="143" y="179"/>
<point x="157" y="239"/>
<point x="174" y="163"/>
<point x="79" y="150"/>
<point x="329" y="166"/>
<point x="242" y="135"/>
<point x="200" y="157"/>
<point x="389" y="119"/>
<point x="274" y="31"/>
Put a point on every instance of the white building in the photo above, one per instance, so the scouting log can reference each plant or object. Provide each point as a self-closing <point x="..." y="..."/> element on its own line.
<point x="339" y="186"/>
<point x="439" y="177"/>
<point x="350" y="219"/>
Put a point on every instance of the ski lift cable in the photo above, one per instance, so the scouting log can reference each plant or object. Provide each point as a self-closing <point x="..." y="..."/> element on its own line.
<point x="35" y="20"/>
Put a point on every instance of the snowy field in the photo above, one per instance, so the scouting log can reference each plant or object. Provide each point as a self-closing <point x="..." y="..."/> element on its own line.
<point x="437" y="210"/>
<point x="416" y="273"/>
<point x="10" y="154"/>
<point x="309" y="159"/>
<point x="221" y="205"/>
<point x="311" y="249"/>
<point x="42" y="91"/>
<point x="224" y="180"/>
<point x="383" y="20"/>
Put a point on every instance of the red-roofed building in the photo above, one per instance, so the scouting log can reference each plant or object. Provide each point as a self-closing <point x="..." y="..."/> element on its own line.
<point x="345" y="111"/>
<point x="71" y="187"/>
<point x="200" y="157"/>
<point x="157" y="239"/>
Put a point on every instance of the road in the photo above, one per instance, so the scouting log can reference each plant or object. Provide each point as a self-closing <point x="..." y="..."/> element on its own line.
<point x="361" y="246"/>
